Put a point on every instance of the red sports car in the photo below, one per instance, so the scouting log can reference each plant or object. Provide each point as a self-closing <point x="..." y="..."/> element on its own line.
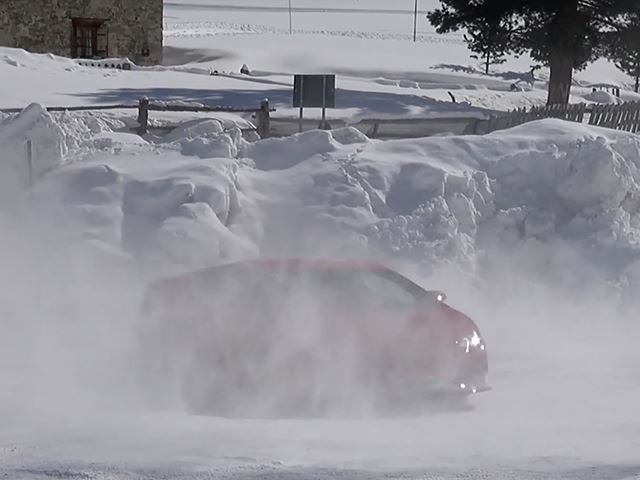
<point x="306" y="334"/>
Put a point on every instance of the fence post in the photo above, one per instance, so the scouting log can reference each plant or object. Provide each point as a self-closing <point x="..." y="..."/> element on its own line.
<point x="143" y="116"/>
<point x="263" y="119"/>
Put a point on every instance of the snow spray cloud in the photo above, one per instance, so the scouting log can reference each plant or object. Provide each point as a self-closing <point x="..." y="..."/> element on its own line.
<point x="550" y="302"/>
<point x="73" y="333"/>
<point x="66" y="318"/>
<point x="251" y="340"/>
<point x="541" y="307"/>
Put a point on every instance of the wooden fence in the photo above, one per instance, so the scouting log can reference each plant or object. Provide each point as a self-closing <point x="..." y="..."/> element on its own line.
<point x="625" y="116"/>
<point x="262" y="113"/>
<point x="621" y="117"/>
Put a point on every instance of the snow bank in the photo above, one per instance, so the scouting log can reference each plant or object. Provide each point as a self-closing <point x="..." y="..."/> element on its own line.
<point x="348" y="136"/>
<point x="33" y="125"/>
<point x="283" y="153"/>
<point x="449" y="199"/>
<point x="180" y="214"/>
<point x="445" y="199"/>
<point x="52" y="138"/>
<point x="114" y="193"/>
<point x="194" y="129"/>
<point x="601" y="96"/>
<point x="19" y="58"/>
<point x="524" y="183"/>
<point x="207" y="138"/>
<point x="83" y="127"/>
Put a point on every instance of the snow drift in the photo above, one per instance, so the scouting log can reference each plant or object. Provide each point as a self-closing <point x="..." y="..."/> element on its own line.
<point x="443" y="199"/>
<point x="32" y="125"/>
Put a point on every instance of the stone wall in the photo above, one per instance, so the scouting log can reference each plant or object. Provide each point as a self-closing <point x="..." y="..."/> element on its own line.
<point x="45" y="26"/>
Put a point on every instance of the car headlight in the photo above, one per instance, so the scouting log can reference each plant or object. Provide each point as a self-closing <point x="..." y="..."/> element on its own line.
<point x="471" y="342"/>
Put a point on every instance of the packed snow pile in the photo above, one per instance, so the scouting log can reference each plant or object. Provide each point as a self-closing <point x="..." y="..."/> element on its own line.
<point x="32" y="126"/>
<point x="52" y="139"/>
<point x="601" y="96"/>
<point x="203" y="194"/>
<point x="176" y="212"/>
<point x="19" y="58"/>
<point x="283" y="153"/>
<point x="184" y="214"/>
<point x="448" y="198"/>
<point x="210" y="138"/>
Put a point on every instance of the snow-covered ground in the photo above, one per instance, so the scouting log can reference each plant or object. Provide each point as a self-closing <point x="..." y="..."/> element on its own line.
<point x="381" y="71"/>
<point x="529" y="230"/>
<point x="533" y="231"/>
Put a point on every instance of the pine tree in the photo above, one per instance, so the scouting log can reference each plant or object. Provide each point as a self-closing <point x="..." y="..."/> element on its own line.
<point x="624" y="49"/>
<point x="490" y="41"/>
<point x="563" y="34"/>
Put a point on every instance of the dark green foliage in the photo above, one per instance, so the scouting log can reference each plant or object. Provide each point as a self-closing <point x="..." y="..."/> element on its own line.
<point x="563" y="34"/>
<point x="624" y="48"/>
<point x="491" y="40"/>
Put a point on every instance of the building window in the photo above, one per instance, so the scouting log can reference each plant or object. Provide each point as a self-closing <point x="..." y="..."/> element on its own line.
<point x="89" y="38"/>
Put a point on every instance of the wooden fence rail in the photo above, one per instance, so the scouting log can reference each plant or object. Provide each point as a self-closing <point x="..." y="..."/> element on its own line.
<point x="76" y="108"/>
<point x="625" y="116"/>
<point x="144" y="106"/>
<point x="263" y="114"/>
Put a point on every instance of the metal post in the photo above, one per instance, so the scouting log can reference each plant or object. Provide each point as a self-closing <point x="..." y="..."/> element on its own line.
<point x="30" y="165"/>
<point x="290" y="20"/>
<point x="300" y="126"/>
<point x="415" y="21"/>
<point x="324" y="103"/>
<point x="143" y="116"/>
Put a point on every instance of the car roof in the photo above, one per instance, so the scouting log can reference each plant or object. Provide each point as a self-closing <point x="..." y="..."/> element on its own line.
<point x="312" y="264"/>
<point x="268" y="264"/>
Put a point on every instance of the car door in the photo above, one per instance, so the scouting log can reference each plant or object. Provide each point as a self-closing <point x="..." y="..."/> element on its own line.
<point x="398" y="333"/>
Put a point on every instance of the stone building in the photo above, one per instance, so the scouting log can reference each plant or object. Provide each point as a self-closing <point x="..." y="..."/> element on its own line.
<point x="85" y="28"/>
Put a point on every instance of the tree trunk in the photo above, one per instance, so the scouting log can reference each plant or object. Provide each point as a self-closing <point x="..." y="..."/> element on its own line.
<point x="563" y="38"/>
<point x="487" y="61"/>
<point x="637" y="82"/>
<point x="560" y="80"/>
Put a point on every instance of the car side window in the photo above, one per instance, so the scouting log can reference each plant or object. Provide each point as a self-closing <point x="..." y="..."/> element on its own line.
<point x="387" y="291"/>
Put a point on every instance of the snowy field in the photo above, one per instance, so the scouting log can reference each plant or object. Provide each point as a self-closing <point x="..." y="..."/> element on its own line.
<point x="534" y="232"/>
<point x="368" y="44"/>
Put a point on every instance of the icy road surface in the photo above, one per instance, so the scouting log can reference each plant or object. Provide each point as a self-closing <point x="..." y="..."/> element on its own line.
<point x="564" y="405"/>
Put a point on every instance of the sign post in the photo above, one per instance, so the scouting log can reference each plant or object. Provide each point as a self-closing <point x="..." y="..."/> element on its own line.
<point x="324" y="103"/>
<point x="30" y="166"/>
<point x="290" y="20"/>
<point x="314" y="91"/>
<point x="301" y="100"/>
<point x="415" y="21"/>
